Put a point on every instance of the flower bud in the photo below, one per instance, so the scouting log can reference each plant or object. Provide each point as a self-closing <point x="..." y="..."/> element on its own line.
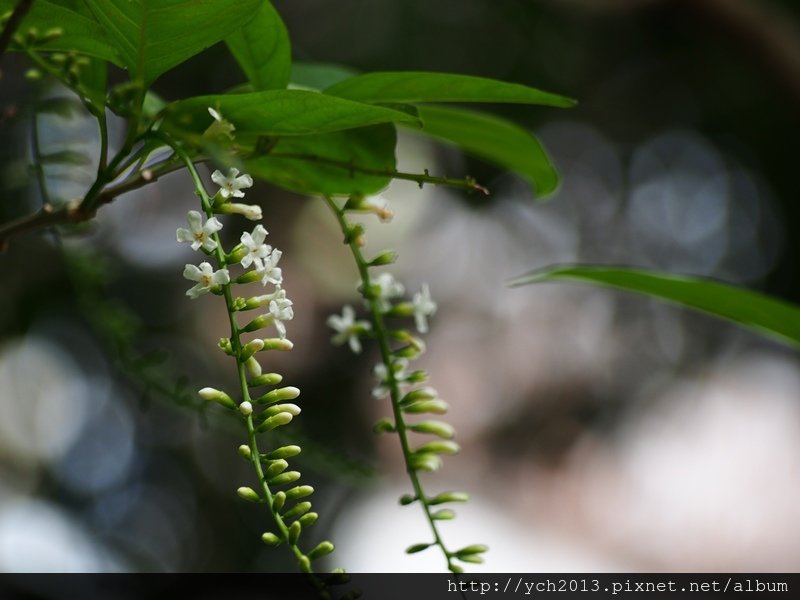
<point x="425" y="393"/>
<point x="292" y="409"/>
<point x="246" y="409"/>
<point x="443" y="515"/>
<point x="278" y="344"/>
<point x="249" y="494"/>
<point x="258" y="323"/>
<point x="386" y="257"/>
<point x="437" y="407"/>
<point x="251" y="348"/>
<point x="284" y="393"/>
<point x="304" y="563"/>
<point x="52" y="34"/>
<point x="407" y="499"/>
<point x="277" y="467"/>
<point x="321" y="550"/>
<point x="253" y="367"/>
<point x="384" y="426"/>
<point x="278" y="500"/>
<point x="439" y="447"/>
<point x="417" y="548"/>
<point x="225" y="346"/>
<point x="425" y="462"/>
<point x="285" y="477"/>
<point x="237" y="253"/>
<point x="279" y="420"/>
<point x="301" y="491"/>
<point x="266" y="379"/>
<point x="401" y="309"/>
<point x="283" y="452"/>
<point x="308" y="519"/>
<point x="214" y="395"/>
<point x="298" y="510"/>
<point x="294" y="532"/>
<point x="251" y="212"/>
<point x="270" y="539"/>
<point x="257" y="301"/>
<point x="448" y="497"/>
<point x="245" y="452"/>
<point x="248" y="277"/>
<point x="438" y="428"/>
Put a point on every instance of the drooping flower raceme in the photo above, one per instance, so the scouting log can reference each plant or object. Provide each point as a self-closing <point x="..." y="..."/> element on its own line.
<point x="199" y="235"/>
<point x="232" y="184"/>
<point x="206" y="278"/>
<point x="424" y="307"/>
<point x="348" y="329"/>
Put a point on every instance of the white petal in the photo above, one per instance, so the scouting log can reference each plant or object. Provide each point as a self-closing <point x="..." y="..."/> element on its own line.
<point x="213" y="225"/>
<point x="195" y="220"/>
<point x="192" y="272"/>
<point x="209" y="245"/>
<point x="184" y="235"/>
<point x="221" y="277"/>
<point x="355" y="344"/>
<point x="216" y="116"/>
<point x="218" y="178"/>
<point x="196" y="291"/>
<point x="259" y="234"/>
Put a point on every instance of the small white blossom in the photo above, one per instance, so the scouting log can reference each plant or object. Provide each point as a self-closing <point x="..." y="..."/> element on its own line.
<point x="257" y="250"/>
<point x="220" y="126"/>
<point x="424" y="307"/>
<point x="248" y="211"/>
<point x="388" y="288"/>
<point x="232" y="184"/>
<point x="382" y="374"/>
<point x="199" y="234"/>
<point x="269" y="272"/>
<point x="280" y="309"/>
<point x="379" y="206"/>
<point x="347" y="328"/>
<point x="206" y="277"/>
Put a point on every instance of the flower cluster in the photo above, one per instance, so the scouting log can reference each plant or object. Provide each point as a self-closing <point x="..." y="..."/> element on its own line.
<point x="383" y="297"/>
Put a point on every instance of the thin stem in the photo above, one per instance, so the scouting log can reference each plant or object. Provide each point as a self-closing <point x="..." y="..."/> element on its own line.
<point x="37" y="159"/>
<point x="467" y="183"/>
<point x="382" y="336"/>
<point x="14" y="21"/>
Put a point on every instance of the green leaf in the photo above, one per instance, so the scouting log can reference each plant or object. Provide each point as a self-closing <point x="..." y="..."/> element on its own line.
<point x="81" y="32"/>
<point x="318" y="76"/>
<point x="762" y="313"/>
<point x="152" y="36"/>
<point x="411" y="86"/>
<point x="262" y="49"/>
<point x="356" y="161"/>
<point x="496" y="140"/>
<point x="281" y="112"/>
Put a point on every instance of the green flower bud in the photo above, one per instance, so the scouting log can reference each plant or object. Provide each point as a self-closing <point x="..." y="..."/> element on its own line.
<point x="354" y="233"/>
<point x="448" y="497"/>
<point x="248" y="277"/>
<point x="244" y="451"/>
<point x="275" y="421"/>
<point x="278" y="500"/>
<point x="439" y="428"/>
<point x="53" y="34"/>
<point x="425" y="393"/>
<point x="251" y="348"/>
<point x="384" y="426"/>
<point x="301" y="491"/>
<point x="249" y="494"/>
<point x="401" y="309"/>
<point x="473" y="549"/>
<point x="32" y="35"/>
<point x="214" y="395"/>
<point x="321" y="550"/>
<point x="253" y="367"/>
<point x="283" y="345"/>
<point x="443" y="515"/>
<point x="407" y="499"/>
<point x="270" y="539"/>
<point x="277" y="466"/>
<point x="436" y="407"/>
<point x="471" y="558"/>
<point x="283" y="452"/>
<point x="33" y="74"/>
<point x="257" y="301"/>
<point x="425" y="462"/>
<point x="304" y="564"/>
<point x="292" y="409"/>
<point x="225" y="346"/>
<point x="456" y="568"/>
<point x="439" y="447"/>
<point x="236" y="254"/>
<point x="298" y="510"/>
<point x="419" y="376"/>
<point x="239" y="303"/>
<point x="246" y="409"/>
<point x="387" y="257"/>
<point x="417" y="548"/>
<point x="285" y="477"/>
<point x="294" y="532"/>
<point x="266" y="379"/>
<point x="284" y="393"/>
<point x="409" y="351"/>
<point x="308" y="519"/>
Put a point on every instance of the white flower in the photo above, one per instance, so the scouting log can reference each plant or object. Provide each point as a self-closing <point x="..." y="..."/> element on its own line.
<point x="347" y="328"/>
<point x="387" y="287"/>
<point x="382" y="374"/>
<point x="219" y="127"/>
<point x="248" y="211"/>
<point x="198" y="233"/>
<point x="269" y="272"/>
<point x="424" y="307"/>
<point x="232" y="184"/>
<point x="379" y="206"/>
<point x="257" y="250"/>
<point x="280" y="309"/>
<point x="206" y="277"/>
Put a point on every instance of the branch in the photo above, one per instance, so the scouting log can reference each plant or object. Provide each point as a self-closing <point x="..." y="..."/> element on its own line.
<point x="468" y="183"/>
<point x="22" y="8"/>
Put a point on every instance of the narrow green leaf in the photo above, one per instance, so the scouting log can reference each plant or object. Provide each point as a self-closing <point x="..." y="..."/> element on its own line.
<point x="357" y="161"/>
<point x="152" y="36"/>
<point x="411" y="86"/>
<point x="762" y="313"/>
<point x="262" y="49"/>
<point x="281" y="112"/>
<point x="496" y="140"/>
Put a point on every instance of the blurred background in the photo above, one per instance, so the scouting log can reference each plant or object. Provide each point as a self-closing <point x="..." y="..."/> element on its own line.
<point x="600" y="431"/>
